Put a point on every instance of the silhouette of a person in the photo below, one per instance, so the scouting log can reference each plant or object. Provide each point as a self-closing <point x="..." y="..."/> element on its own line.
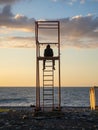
<point x="48" y="52"/>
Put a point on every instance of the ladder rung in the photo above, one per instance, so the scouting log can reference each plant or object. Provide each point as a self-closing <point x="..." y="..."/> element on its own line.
<point x="48" y="85"/>
<point x="48" y="66"/>
<point x="47" y="75"/>
<point x="48" y="80"/>
<point x="47" y="89"/>
<point x="47" y="98"/>
<point x="48" y="70"/>
<point x="48" y="94"/>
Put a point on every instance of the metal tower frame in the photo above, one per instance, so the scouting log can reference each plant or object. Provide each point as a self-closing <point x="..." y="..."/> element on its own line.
<point x="47" y="25"/>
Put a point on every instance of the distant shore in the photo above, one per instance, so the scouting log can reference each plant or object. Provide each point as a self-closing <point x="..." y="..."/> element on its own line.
<point x="69" y="118"/>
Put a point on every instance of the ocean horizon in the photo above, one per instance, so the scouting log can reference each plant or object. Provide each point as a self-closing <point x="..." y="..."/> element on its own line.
<point x="26" y="96"/>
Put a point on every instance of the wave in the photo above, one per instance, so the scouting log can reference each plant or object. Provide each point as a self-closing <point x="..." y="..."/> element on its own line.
<point x="26" y="96"/>
<point x="10" y="100"/>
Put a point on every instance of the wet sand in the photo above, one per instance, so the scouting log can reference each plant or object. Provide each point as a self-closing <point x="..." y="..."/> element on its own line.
<point x="69" y="118"/>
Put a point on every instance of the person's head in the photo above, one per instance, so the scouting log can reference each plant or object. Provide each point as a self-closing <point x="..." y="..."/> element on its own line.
<point x="48" y="46"/>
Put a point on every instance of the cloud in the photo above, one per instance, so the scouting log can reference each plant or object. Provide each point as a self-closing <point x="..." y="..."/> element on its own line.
<point x="78" y="31"/>
<point x="8" y="1"/>
<point x="6" y="12"/>
<point x="17" y="42"/>
<point x="21" y="42"/>
<point x="15" y="24"/>
<point x="67" y="1"/>
<point x="82" y="1"/>
<point x="9" y="20"/>
<point x="71" y="2"/>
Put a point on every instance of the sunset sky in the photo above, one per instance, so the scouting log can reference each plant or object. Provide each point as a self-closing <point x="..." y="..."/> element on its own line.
<point x="79" y="40"/>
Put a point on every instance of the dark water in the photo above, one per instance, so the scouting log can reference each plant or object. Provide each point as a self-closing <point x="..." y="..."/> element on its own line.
<point x="25" y="96"/>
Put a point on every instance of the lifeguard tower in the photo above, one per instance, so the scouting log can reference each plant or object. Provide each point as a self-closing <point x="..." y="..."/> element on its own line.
<point x="46" y="91"/>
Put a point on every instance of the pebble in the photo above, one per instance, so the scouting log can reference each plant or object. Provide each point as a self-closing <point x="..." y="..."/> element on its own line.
<point x="71" y="120"/>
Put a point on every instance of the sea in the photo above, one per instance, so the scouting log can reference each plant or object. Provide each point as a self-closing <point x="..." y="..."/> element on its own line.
<point x="26" y="96"/>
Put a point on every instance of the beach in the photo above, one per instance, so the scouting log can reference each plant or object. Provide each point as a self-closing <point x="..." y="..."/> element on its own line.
<point x="69" y="118"/>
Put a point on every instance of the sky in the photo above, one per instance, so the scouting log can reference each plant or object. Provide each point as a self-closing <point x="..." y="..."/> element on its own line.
<point x="78" y="40"/>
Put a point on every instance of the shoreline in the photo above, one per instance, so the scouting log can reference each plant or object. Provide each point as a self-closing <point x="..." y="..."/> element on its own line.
<point x="69" y="118"/>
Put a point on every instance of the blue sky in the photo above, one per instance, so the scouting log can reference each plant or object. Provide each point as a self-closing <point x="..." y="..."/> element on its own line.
<point x="79" y="39"/>
<point x="56" y="9"/>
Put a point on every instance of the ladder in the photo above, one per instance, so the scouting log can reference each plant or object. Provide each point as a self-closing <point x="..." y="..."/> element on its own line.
<point x="48" y="85"/>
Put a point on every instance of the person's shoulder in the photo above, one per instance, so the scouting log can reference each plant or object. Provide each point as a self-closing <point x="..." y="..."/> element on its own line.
<point x="51" y="49"/>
